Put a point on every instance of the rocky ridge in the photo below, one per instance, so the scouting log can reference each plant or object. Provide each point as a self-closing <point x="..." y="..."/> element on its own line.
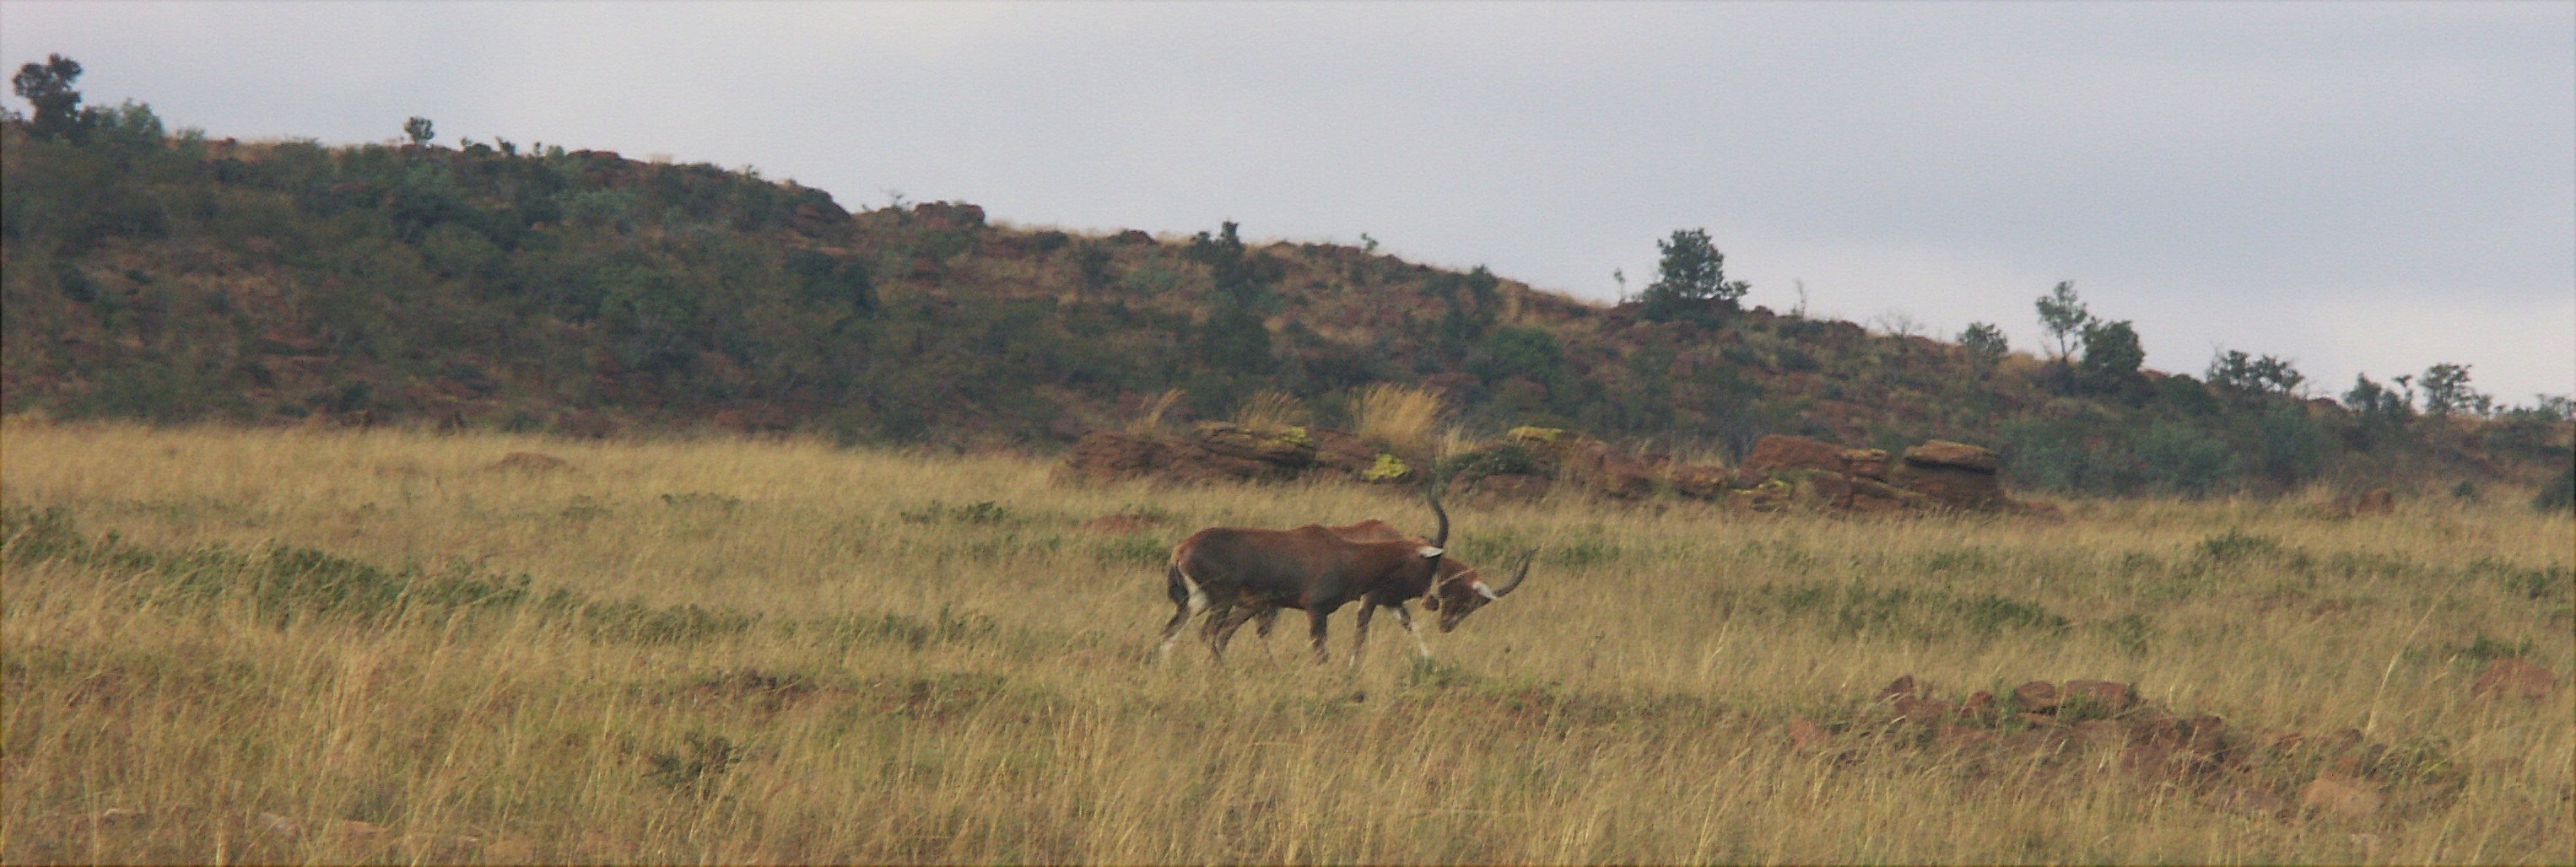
<point x="1782" y="472"/>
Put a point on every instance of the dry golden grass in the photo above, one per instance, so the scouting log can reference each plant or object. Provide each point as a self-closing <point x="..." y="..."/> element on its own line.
<point x="1272" y="410"/>
<point x="1399" y="415"/>
<point x="896" y="657"/>
<point x="1152" y="420"/>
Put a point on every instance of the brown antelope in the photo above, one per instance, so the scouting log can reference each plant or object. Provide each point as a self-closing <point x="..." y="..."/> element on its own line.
<point x="1242" y="573"/>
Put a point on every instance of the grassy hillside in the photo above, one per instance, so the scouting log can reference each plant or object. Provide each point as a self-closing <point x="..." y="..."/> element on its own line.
<point x="335" y="645"/>
<point x="490" y="287"/>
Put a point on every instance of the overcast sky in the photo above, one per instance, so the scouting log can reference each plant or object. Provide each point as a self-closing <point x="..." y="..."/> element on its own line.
<point x="2361" y="187"/>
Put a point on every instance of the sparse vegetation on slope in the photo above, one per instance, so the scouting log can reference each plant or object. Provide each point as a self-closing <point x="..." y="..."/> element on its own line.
<point x="176" y="278"/>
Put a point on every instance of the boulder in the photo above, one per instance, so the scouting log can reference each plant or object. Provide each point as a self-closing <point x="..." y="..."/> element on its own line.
<point x="1950" y="485"/>
<point x="2340" y="796"/>
<point x="1710" y="483"/>
<point x="1865" y="464"/>
<point x="1288" y="447"/>
<point x="1700" y="482"/>
<point x="1516" y="487"/>
<point x="2101" y="733"/>
<point x="1923" y="710"/>
<point x="950" y="215"/>
<point x="2251" y="801"/>
<point x="1783" y="452"/>
<point x="2514" y="677"/>
<point x="1980" y="708"/>
<point x="1770" y="496"/>
<point x="2102" y="695"/>
<point x="1872" y="496"/>
<point x="1828" y="490"/>
<point x="1944" y="453"/>
<point x="1108" y="455"/>
<point x="2038" y="696"/>
<point x="1609" y="471"/>
<point x="1194" y="463"/>
<point x="1343" y="454"/>
<point x="1805" y="734"/>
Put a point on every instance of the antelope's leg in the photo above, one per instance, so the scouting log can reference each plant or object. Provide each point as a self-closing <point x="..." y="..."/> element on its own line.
<point x="1406" y="617"/>
<point x="1228" y="622"/>
<point x="1172" y="631"/>
<point x="1359" y="631"/>
<point x="1216" y="614"/>
<point x="1316" y="617"/>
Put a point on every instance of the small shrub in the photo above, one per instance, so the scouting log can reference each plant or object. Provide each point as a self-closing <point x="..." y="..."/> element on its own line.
<point x="2234" y="545"/>
<point x="2129" y="633"/>
<point x="980" y="512"/>
<point x="1507" y="458"/>
<point x="1970" y="560"/>
<point x="1581" y="553"/>
<point x="584" y="508"/>
<point x="947" y="627"/>
<point x="1433" y="674"/>
<point x="1989" y="613"/>
<point x="2486" y="649"/>
<point x="2559" y="495"/>
<point x="2552" y="583"/>
<point x="630" y="621"/>
<point x="701" y="500"/>
<point x="1133" y="550"/>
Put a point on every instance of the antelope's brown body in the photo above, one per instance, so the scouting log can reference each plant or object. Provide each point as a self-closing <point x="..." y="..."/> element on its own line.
<point x="1238" y="573"/>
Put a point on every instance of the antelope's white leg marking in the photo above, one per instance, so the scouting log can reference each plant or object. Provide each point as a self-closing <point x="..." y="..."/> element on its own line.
<point x="1406" y="617"/>
<point x="1197" y="602"/>
<point x="1198" y="597"/>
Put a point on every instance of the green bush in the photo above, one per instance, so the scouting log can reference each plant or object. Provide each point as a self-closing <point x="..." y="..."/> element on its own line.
<point x="2559" y="494"/>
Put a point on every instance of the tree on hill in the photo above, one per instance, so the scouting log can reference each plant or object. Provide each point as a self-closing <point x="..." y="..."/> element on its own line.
<point x="2065" y="317"/>
<point x="419" y="131"/>
<point x="2235" y="370"/>
<point x="2111" y="351"/>
<point x="2371" y="399"/>
<point x="2447" y="391"/>
<point x="47" y="87"/>
<point x="1985" y="342"/>
<point x="1691" y="284"/>
<point x="1234" y="337"/>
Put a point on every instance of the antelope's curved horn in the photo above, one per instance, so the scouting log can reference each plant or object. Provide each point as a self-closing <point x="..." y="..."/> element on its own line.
<point x="1517" y="576"/>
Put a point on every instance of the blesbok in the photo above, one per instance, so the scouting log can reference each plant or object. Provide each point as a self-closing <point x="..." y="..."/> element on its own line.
<point x="1236" y="574"/>
<point x="1457" y="582"/>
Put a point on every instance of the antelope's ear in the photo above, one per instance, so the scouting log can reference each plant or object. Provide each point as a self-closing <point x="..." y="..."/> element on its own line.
<point x="1484" y="591"/>
<point x="1428" y="552"/>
